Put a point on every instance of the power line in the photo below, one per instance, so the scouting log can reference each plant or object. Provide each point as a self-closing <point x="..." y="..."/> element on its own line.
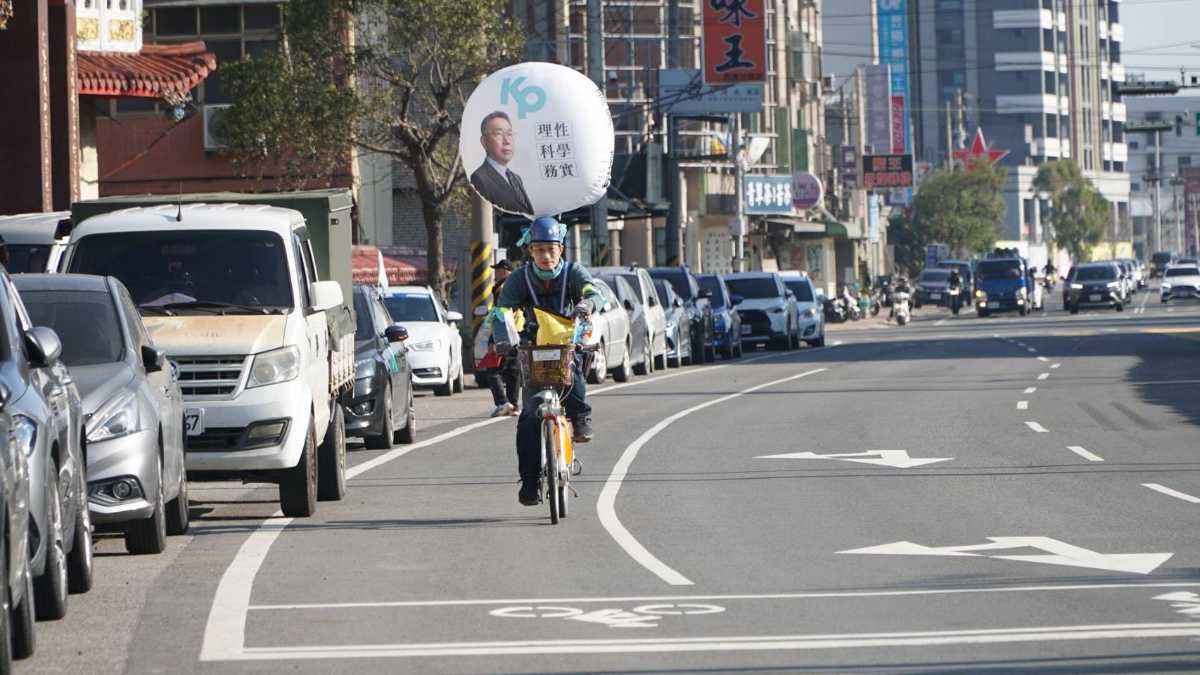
<point x="859" y="16"/>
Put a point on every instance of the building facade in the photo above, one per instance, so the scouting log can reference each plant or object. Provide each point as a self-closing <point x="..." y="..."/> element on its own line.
<point x="1159" y="175"/>
<point x="1040" y="78"/>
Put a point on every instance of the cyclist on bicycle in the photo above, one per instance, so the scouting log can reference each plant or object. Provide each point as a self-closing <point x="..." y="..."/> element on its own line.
<point x="553" y="284"/>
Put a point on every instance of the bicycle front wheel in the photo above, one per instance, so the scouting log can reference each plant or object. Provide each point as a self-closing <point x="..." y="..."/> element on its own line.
<point x="550" y="467"/>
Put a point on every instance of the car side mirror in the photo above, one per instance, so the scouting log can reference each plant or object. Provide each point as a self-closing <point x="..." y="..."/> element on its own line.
<point x="325" y="295"/>
<point x="453" y="316"/>
<point x="395" y="333"/>
<point x="153" y="359"/>
<point x="480" y="310"/>
<point x="44" y="346"/>
<point x="678" y="303"/>
<point x="628" y="305"/>
<point x="790" y="295"/>
<point x="736" y="300"/>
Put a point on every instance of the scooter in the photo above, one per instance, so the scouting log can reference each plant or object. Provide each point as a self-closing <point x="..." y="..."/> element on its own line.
<point x="955" y="300"/>
<point x="900" y="306"/>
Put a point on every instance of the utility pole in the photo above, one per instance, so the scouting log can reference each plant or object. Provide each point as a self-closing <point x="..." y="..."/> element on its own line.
<point x="481" y="259"/>
<point x="675" y="213"/>
<point x="1176" y="182"/>
<point x="961" y="134"/>
<point x="595" y="57"/>
<point x="1156" y="128"/>
<point x="739" y="177"/>
<point x="949" y="139"/>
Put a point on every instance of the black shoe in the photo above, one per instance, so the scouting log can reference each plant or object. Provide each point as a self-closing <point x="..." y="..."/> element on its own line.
<point x="529" y="494"/>
<point x="582" y="428"/>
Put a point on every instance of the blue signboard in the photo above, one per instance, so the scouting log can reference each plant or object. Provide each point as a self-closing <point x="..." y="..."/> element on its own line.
<point x="767" y="194"/>
<point x="893" y="51"/>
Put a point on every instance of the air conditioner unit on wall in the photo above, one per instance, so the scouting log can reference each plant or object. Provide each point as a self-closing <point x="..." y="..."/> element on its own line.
<point x="214" y="138"/>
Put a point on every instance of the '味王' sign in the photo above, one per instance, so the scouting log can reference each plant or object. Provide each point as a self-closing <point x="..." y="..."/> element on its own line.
<point x="735" y="41"/>
<point x="884" y="172"/>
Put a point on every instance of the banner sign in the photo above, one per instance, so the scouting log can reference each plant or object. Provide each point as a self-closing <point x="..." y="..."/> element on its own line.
<point x="682" y="91"/>
<point x="884" y="172"/>
<point x="767" y="194"/>
<point x="879" y="107"/>
<point x="893" y="50"/>
<point x="735" y="41"/>
<point x="1191" y="192"/>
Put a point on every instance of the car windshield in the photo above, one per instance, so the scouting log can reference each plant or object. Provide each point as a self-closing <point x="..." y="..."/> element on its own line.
<point x="27" y="258"/>
<point x="678" y="280"/>
<point x="1098" y="273"/>
<point x="753" y="287"/>
<point x="800" y="289"/>
<point x="999" y="269"/>
<point x="713" y="285"/>
<point x="661" y="290"/>
<point x="1183" y="272"/>
<point x="86" y="323"/>
<point x="362" y="312"/>
<point x="236" y="271"/>
<point x="410" y="307"/>
<point x="934" y="275"/>
<point x="632" y="279"/>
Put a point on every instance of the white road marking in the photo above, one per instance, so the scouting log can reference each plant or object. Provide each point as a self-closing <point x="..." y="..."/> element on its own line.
<point x="1042" y="359"/>
<point x="1031" y="350"/>
<point x="645" y="616"/>
<point x="1022" y="405"/>
<point x="1084" y="453"/>
<point x="1030" y="390"/>
<point x="1172" y="493"/>
<point x="1056" y="552"/>
<point x="728" y="597"/>
<point x="1037" y="427"/>
<point x="606" y="503"/>
<point x="839" y="343"/>
<point x="1043" y="376"/>
<point x="894" y="458"/>
<point x="732" y="643"/>
<point x="1184" y="602"/>
<point x="938" y="323"/>
<point x="1055" y="366"/>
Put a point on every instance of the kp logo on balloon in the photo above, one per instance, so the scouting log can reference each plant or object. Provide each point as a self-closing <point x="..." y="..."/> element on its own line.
<point x="529" y="100"/>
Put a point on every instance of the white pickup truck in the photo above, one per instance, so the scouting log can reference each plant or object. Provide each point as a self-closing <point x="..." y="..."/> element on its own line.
<point x="230" y="292"/>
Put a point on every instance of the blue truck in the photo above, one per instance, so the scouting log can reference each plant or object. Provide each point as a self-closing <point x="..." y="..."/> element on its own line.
<point x="1002" y="285"/>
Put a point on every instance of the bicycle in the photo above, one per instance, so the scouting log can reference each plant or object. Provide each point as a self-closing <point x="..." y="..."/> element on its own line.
<point x="547" y="370"/>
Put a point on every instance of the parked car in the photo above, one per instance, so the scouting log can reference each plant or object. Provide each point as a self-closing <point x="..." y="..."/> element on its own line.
<point x="1138" y="271"/>
<point x="697" y="303"/>
<point x="16" y="577"/>
<point x="381" y="411"/>
<point x="932" y="288"/>
<point x="48" y="427"/>
<point x="810" y="310"/>
<point x="768" y="309"/>
<point x="679" y="336"/>
<point x="1181" y="282"/>
<point x="35" y="241"/>
<point x="136" y="479"/>
<point x="641" y="343"/>
<point x="611" y="323"/>
<point x="656" y="316"/>
<point x="434" y="343"/>
<point x="1096" y="285"/>
<point x="727" y="323"/>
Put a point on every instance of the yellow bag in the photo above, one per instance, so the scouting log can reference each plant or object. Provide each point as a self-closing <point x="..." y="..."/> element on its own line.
<point x="553" y="329"/>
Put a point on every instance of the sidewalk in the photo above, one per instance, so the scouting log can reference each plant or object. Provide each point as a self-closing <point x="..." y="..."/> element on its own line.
<point x="882" y="322"/>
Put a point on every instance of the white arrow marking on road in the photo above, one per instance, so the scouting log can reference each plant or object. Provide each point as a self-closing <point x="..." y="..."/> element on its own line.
<point x="898" y="459"/>
<point x="1056" y="553"/>
<point x="1185" y="602"/>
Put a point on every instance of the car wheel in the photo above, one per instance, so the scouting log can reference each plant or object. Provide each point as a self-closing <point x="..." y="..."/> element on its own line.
<point x="660" y="361"/>
<point x="448" y="388"/>
<point x="599" y="371"/>
<point x="23" y="642"/>
<point x="6" y="614"/>
<point x="50" y="589"/>
<point x="458" y="381"/>
<point x="1074" y="309"/>
<point x="408" y="435"/>
<point x="79" y="560"/>
<point x="623" y="372"/>
<point x="819" y="342"/>
<point x="646" y="367"/>
<point x="148" y="536"/>
<point x="1120" y="307"/>
<point x="383" y="441"/>
<point x="331" y="474"/>
<point x="298" y="488"/>
<point x="179" y="518"/>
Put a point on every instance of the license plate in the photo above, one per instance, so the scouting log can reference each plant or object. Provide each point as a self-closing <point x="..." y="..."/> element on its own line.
<point x="746" y="330"/>
<point x="935" y="296"/>
<point x="545" y="355"/>
<point x="993" y="305"/>
<point x="1096" y="297"/>
<point x="193" y="421"/>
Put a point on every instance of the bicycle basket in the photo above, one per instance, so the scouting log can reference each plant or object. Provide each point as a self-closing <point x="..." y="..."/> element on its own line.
<point x="547" y="365"/>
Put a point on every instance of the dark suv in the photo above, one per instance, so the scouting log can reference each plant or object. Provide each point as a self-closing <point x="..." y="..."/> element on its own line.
<point x="727" y="323"/>
<point x="699" y="309"/>
<point x="1096" y="285"/>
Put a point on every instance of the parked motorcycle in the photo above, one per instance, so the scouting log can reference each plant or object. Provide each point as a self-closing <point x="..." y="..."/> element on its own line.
<point x="900" y="305"/>
<point x="835" y="310"/>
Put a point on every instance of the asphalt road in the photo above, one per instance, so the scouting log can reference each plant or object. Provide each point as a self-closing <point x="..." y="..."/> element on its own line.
<point x="1007" y="494"/>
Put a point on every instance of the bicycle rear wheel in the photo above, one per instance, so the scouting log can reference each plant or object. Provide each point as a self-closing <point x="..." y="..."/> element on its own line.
<point x="550" y="467"/>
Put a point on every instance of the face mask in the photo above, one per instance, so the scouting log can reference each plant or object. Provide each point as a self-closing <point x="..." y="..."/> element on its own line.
<point x="545" y="275"/>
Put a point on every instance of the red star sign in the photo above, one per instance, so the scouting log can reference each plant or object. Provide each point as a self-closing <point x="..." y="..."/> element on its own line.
<point x="979" y="151"/>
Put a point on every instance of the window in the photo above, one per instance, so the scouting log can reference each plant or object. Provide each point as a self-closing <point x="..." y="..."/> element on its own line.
<point x="382" y="320"/>
<point x="86" y="323"/>
<point x="410" y="307"/>
<point x="1184" y="161"/>
<point x="221" y="19"/>
<point x="261" y="17"/>
<point x="175" y="21"/>
<point x="299" y="274"/>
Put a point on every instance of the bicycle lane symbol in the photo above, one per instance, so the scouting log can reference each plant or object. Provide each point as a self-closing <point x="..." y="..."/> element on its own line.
<point x="644" y="616"/>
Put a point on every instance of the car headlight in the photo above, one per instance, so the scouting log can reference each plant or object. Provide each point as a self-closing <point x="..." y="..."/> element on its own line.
<point x="120" y="418"/>
<point x="1113" y="284"/>
<point x="273" y="367"/>
<point x="1077" y="287"/>
<point x="426" y="346"/>
<point x="980" y="294"/>
<point x="364" y="368"/>
<point x="810" y="312"/>
<point x="24" y="434"/>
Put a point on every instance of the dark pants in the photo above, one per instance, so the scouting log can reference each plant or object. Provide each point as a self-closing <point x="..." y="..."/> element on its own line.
<point x="529" y="451"/>
<point x="503" y="383"/>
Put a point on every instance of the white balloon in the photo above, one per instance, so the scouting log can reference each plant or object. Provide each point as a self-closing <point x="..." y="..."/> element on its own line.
<point x="549" y="142"/>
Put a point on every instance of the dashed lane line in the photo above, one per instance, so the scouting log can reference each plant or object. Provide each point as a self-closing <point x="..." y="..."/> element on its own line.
<point x="1044" y="376"/>
<point x="1172" y="493"/>
<point x="1030" y="390"/>
<point x="1022" y="405"/>
<point x="1055" y="366"/>
<point x="1042" y="359"/>
<point x="1084" y="453"/>
<point x="1037" y="427"/>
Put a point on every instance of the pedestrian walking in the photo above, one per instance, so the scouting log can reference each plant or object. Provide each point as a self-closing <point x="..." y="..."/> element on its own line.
<point x="501" y="372"/>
